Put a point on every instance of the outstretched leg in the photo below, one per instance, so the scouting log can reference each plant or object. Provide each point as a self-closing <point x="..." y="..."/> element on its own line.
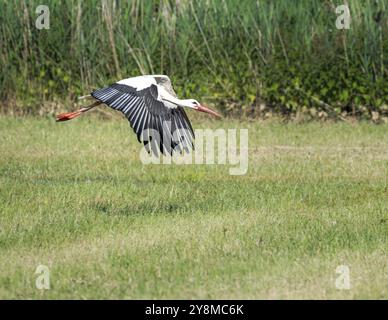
<point x="72" y="115"/>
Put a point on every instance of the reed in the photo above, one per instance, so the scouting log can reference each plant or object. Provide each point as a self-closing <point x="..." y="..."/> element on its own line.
<point x="284" y="54"/>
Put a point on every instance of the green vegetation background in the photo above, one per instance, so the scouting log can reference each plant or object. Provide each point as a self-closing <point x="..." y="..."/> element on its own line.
<point x="245" y="57"/>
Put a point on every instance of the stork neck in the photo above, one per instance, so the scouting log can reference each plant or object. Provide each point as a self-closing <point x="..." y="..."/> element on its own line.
<point x="170" y="98"/>
<point x="174" y="100"/>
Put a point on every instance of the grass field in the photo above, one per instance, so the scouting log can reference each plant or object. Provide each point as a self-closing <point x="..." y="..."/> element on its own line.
<point x="75" y="197"/>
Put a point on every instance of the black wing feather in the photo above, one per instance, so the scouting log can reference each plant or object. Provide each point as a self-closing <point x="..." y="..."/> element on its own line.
<point x="145" y="112"/>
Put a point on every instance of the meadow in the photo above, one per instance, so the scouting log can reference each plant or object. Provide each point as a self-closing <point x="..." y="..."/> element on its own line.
<point x="75" y="197"/>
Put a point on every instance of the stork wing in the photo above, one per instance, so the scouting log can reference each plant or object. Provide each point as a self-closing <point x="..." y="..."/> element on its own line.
<point x="156" y="125"/>
<point x="165" y="82"/>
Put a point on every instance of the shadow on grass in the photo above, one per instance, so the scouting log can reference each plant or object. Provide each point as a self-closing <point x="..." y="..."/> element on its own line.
<point x="142" y="208"/>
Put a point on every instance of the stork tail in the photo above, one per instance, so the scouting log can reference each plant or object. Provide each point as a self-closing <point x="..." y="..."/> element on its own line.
<point x="71" y="115"/>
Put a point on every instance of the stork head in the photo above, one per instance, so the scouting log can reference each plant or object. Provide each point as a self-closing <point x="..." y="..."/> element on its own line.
<point x="194" y="104"/>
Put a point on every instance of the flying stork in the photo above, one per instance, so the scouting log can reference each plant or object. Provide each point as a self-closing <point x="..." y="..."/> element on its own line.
<point x="153" y="110"/>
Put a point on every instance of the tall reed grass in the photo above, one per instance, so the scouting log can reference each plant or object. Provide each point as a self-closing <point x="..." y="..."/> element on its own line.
<point x="250" y="56"/>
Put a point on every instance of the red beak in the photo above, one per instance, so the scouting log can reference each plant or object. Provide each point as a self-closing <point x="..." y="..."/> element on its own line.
<point x="205" y="109"/>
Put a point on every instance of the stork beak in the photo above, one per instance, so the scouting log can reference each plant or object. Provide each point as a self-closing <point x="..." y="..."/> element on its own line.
<point x="205" y="109"/>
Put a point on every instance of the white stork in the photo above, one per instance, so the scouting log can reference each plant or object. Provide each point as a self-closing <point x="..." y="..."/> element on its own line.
<point x="153" y="110"/>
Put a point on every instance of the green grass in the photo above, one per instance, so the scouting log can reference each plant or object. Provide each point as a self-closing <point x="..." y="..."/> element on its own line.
<point x="75" y="197"/>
